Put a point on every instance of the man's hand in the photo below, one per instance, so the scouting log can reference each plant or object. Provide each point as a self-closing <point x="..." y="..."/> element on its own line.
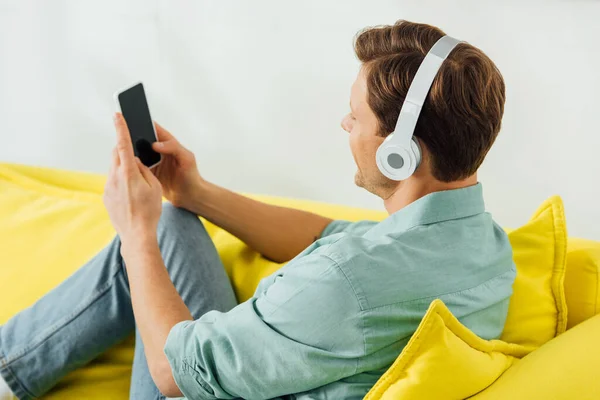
<point x="177" y="172"/>
<point x="132" y="195"/>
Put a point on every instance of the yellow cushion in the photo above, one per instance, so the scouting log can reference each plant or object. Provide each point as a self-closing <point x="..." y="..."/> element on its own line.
<point x="582" y="280"/>
<point x="566" y="368"/>
<point x="537" y="310"/>
<point x="51" y="222"/>
<point x="444" y="360"/>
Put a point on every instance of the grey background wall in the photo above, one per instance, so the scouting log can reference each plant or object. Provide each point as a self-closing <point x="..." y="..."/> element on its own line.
<point x="257" y="90"/>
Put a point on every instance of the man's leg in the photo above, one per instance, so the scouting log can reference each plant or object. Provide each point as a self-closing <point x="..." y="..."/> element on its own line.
<point x="91" y="310"/>
<point x="198" y="275"/>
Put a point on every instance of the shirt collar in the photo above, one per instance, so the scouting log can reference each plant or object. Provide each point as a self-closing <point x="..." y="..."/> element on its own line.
<point x="434" y="207"/>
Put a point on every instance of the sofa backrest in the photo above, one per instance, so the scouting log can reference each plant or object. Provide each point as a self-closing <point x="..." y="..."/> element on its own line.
<point x="582" y="280"/>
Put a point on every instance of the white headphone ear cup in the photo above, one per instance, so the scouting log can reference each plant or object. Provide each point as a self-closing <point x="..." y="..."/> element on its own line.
<point x="416" y="148"/>
<point x="411" y="159"/>
<point x="395" y="161"/>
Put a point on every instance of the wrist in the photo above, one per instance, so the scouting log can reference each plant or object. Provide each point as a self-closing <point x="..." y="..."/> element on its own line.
<point x="201" y="195"/>
<point x="135" y="242"/>
<point x="201" y="187"/>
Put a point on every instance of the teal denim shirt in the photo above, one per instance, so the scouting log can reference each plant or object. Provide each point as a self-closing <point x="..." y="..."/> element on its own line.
<point x="331" y="321"/>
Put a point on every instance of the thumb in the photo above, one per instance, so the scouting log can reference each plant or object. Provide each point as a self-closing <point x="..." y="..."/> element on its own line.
<point x="170" y="146"/>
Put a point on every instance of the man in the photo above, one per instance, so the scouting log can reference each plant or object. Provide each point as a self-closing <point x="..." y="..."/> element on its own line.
<point x="334" y="318"/>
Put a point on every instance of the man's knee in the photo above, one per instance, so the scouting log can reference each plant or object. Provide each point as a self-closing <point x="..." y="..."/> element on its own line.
<point x="178" y="220"/>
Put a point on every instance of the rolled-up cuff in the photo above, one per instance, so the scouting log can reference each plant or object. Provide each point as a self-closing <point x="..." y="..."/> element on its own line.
<point x="186" y="378"/>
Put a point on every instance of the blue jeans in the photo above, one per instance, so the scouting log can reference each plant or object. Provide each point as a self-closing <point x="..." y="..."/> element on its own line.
<point x="91" y="311"/>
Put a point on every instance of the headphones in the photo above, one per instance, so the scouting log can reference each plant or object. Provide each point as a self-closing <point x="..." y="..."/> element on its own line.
<point x="399" y="155"/>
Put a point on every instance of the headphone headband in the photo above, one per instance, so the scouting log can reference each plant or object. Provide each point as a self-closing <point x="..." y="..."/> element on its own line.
<point x="419" y="88"/>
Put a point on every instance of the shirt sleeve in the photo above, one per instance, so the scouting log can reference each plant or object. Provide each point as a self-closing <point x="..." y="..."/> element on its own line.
<point x="302" y="332"/>
<point x="353" y="228"/>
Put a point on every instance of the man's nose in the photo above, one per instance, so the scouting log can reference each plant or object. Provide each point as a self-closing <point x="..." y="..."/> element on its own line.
<point x="346" y="123"/>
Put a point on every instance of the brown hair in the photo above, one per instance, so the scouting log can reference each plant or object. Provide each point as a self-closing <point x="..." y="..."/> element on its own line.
<point x="463" y="111"/>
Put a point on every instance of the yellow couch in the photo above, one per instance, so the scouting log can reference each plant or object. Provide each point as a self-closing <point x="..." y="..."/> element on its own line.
<point x="53" y="220"/>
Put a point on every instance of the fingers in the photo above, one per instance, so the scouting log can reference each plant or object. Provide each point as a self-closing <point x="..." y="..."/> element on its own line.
<point x="115" y="157"/>
<point x="170" y="146"/>
<point x="124" y="146"/>
<point x="146" y="173"/>
<point x="167" y="143"/>
<point x="162" y="133"/>
<point x="114" y="162"/>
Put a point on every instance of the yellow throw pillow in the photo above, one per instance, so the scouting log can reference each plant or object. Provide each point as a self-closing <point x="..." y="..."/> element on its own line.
<point x="538" y="310"/>
<point x="582" y="280"/>
<point x="565" y="368"/>
<point x="444" y="360"/>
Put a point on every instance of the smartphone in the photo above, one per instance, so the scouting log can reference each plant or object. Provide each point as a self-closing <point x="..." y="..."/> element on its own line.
<point x="133" y="105"/>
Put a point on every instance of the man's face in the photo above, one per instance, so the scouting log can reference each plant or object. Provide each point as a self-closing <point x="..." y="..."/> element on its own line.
<point x="361" y="124"/>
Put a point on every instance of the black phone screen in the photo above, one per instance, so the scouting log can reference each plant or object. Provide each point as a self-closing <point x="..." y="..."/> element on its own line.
<point x="134" y="108"/>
